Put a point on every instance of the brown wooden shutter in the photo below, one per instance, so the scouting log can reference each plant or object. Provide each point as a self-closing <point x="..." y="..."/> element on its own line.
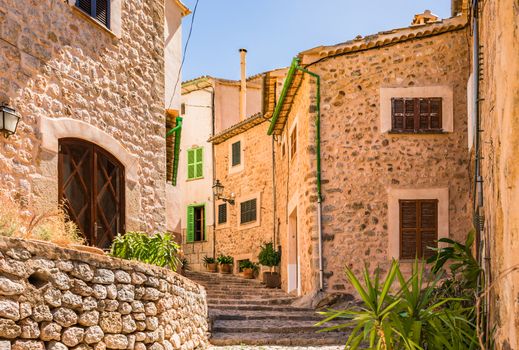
<point x="416" y="114"/>
<point x="85" y="5"/>
<point x="236" y="153"/>
<point x="222" y="213"/>
<point x="418" y="228"/>
<point x="248" y="211"/>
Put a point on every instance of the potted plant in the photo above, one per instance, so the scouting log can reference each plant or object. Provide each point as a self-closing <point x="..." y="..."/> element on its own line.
<point x="225" y="262"/>
<point x="210" y="264"/>
<point x="248" y="268"/>
<point x="184" y="266"/>
<point x="268" y="256"/>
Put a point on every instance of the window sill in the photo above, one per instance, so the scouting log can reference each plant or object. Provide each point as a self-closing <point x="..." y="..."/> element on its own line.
<point x="89" y="18"/>
<point x="417" y="132"/>
<point x="195" y="242"/>
<point x="248" y="225"/>
<point x="194" y="179"/>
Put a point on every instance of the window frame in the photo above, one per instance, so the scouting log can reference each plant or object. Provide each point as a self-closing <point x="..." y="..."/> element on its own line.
<point x="93" y="13"/>
<point x="292" y="141"/>
<point x="416" y="115"/>
<point x="418" y="229"/>
<point x="195" y="163"/>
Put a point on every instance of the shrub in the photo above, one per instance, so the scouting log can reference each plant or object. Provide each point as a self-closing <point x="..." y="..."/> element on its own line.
<point x="247" y="264"/>
<point x="209" y="260"/>
<point x="159" y="249"/>
<point x="225" y="259"/>
<point x="53" y="226"/>
<point x="268" y="256"/>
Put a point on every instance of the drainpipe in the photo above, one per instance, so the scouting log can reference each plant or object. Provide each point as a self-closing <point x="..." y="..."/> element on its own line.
<point x="214" y="168"/>
<point x="318" y="150"/>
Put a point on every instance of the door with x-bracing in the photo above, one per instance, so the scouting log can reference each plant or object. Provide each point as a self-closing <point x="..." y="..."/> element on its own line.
<point x="91" y="190"/>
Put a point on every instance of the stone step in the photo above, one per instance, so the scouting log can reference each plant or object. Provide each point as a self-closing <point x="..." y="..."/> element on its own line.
<point x="267" y="326"/>
<point x="290" y="339"/>
<point x="251" y="302"/>
<point x="263" y="307"/>
<point x="264" y="315"/>
<point x="244" y="295"/>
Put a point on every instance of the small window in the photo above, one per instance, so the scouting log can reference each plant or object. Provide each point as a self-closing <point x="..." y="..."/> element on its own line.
<point x="293" y="142"/>
<point x="195" y="224"/>
<point x="236" y="153"/>
<point x="418" y="228"/>
<point x="414" y="115"/>
<point x="248" y="211"/>
<point x="97" y="9"/>
<point x="222" y="213"/>
<point x="195" y="163"/>
<point x="182" y="109"/>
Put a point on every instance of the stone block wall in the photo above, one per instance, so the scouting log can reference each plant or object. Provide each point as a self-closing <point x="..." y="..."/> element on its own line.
<point x="58" y="63"/>
<point x="499" y="91"/>
<point x="361" y="164"/>
<point x="244" y="241"/>
<point x="58" y="299"/>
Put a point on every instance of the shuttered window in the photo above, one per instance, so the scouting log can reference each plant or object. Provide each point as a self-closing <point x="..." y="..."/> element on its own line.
<point x="195" y="231"/>
<point x="248" y="211"/>
<point x="195" y="163"/>
<point x="418" y="228"/>
<point x="410" y="115"/>
<point x="293" y="142"/>
<point x="222" y="213"/>
<point x="236" y="153"/>
<point x="97" y="9"/>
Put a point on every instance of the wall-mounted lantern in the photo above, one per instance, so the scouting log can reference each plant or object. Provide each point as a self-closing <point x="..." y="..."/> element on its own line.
<point x="218" y="193"/>
<point x="8" y="121"/>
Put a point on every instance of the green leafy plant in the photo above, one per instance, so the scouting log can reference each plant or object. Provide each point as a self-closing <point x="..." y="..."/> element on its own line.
<point x="247" y="264"/>
<point x="185" y="264"/>
<point x="225" y="259"/>
<point x="410" y="316"/>
<point x="268" y="256"/>
<point x="209" y="260"/>
<point x="159" y="249"/>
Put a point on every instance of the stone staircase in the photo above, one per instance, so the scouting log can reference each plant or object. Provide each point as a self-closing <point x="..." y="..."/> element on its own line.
<point x="245" y="312"/>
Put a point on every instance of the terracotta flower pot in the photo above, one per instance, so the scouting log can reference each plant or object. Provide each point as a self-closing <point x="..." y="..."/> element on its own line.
<point x="272" y="279"/>
<point x="248" y="273"/>
<point x="225" y="268"/>
<point x="212" y="267"/>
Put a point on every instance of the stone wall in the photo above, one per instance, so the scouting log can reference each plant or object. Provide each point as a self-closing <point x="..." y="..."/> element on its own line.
<point x="296" y="193"/>
<point x="361" y="164"/>
<point x="57" y="62"/>
<point x="55" y="299"/>
<point x="243" y="241"/>
<point x="500" y="170"/>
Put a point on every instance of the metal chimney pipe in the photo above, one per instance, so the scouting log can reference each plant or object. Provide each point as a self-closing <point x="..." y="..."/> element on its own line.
<point x="243" y="84"/>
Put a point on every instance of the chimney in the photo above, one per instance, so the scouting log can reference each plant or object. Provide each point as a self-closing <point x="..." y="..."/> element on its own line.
<point x="243" y="84"/>
<point x="456" y="7"/>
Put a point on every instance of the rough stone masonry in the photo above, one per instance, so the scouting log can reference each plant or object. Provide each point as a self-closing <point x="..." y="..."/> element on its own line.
<point x="57" y="299"/>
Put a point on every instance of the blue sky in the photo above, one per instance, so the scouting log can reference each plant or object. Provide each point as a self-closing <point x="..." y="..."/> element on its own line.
<point x="274" y="31"/>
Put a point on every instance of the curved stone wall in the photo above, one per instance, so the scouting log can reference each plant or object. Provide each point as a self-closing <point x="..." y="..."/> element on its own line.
<point x="57" y="299"/>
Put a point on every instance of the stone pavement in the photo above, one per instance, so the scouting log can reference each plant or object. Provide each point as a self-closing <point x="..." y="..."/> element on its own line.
<point x="244" y="313"/>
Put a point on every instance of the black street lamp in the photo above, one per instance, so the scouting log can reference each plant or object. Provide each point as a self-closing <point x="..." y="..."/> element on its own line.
<point x="218" y="193"/>
<point x="8" y="121"/>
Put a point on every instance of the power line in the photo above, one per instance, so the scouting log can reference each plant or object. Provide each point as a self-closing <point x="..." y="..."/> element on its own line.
<point x="184" y="54"/>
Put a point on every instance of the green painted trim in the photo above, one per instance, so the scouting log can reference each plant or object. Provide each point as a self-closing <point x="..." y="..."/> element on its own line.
<point x="193" y="206"/>
<point x="288" y="81"/>
<point x="176" y="148"/>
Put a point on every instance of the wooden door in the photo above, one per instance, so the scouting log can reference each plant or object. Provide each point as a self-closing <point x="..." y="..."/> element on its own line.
<point x="91" y="189"/>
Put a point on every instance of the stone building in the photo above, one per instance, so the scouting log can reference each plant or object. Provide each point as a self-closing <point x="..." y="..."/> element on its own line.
<point x="232" y="145"/>
<point x="370" y="153"/>
<point x="91" y="85"/>
<point x="495" y="178"/>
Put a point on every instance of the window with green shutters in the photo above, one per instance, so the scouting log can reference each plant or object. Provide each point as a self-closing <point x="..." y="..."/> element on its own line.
<point x="195" y="223"/>
<point x="195" y="163"/>
<point x="236" y="153"/>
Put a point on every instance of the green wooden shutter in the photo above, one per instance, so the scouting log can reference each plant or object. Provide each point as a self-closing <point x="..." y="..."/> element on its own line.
<point x="236" y="153"/>
<point x="190" y="235"/>
<point x="199" y="162"/>
<point x="190" y="163"/>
